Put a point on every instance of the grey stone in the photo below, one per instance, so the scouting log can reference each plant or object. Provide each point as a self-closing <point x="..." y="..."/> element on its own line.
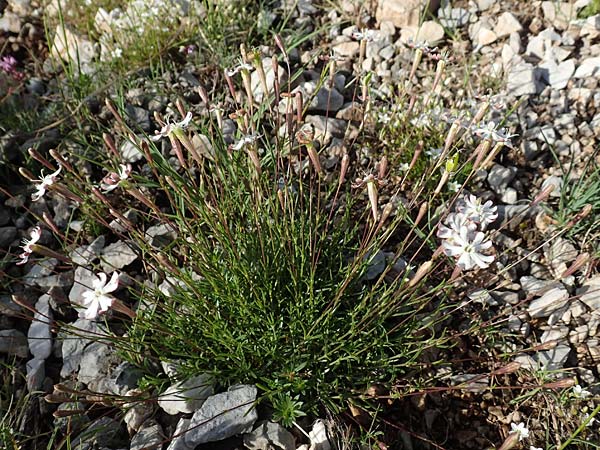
<point x="9" y="308"/>
<point x="256" y="84"/>
<point x="553" y="359"/>
<point x="318" y="436"/>
<point x="73" y="420"/>
<point x="136" y="413"/>
<point x="590" y="293"/>
<point x="39" y="270"/>
<point x="453" y="17"/>
<point x="86" y="254"/>
<point x="35" y="374"/>
<point x="555" y="181"/>
<point x="512" y="298"/>
<point x="116" y="256"/>
<point x="7" y="236"/>
<point x="554" y="334"/>
<point x="269" y="436"/>
<point x="124" y="378"/>
<point x="101" y="432"/>
<point x="499" y="177"/>
<point x="160" y="235"/>
<point x="589" y="67"/>
<point x="178" y="441"/>
<point x="73" y="345"/>
<point x="557" y="75"/>
<point x="322" y="100"/>
<point x="376" y="265"/>
<point x="326" y="128"/>
<point x="471" y="382"/>
<point x="95" y="364"/>
<point x="552" y="300"/>
<point x="149" y="437"/>
<point x="187" y="396"/>
<point x="138" y="117"/>
<point x="223" y="416"/>
<point x="82" y="282"/>
<point x="39" y="335"/>
<point x="130" y="152"/>
<point x="522" y="80"/>
<point x="13" y="343"/>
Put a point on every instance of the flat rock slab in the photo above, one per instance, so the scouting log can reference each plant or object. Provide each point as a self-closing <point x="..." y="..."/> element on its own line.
<point x="223" y="416"/>
<point x="551" y="301"/>
<point x="590" y="293"/>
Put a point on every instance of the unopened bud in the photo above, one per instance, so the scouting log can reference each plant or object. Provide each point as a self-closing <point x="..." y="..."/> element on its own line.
<point x="509" y="368"/>
<point x="579" y="262"/>
<point x="421" y="213"/>
<point x="561" y="384"/>
<point x="421" y="272"/>
<point x="27" y="174"/>
<point x="373" y="196"/>
<point x="61" y="160"/>
<point x="39" y="158"/>
<point x="543" y="195"/>
<point x="344" y="168"/>
<point x="510" y="442"/>
<point x="383" y="165"/>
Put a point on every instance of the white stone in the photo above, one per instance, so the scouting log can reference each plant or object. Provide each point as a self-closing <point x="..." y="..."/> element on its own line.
<point x="507" y="24"/>
<point x="430" y="32"/>
<point x="39" y="336"/>
<point x="589" y="67"/>
<point x="559" y="13"/>
<point x="318" y="436"/>
<point x="551" y="301"/>
<point x="522" y="80"/>
<point x="590" y="293"/>
<point x="485" y="37"/>
<point x="35" y="374"/>
<point x="116" y="256"/>
<point x="73" y="48"/>
<point x="256" y="84"/>
<point x="187" y="396"/>
<point x="403" y="13"/>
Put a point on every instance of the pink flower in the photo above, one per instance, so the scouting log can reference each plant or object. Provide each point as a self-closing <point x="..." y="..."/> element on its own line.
<point x="114" y="179"/>
<point x="97" y="300"/>
<point x="27" y="243"/>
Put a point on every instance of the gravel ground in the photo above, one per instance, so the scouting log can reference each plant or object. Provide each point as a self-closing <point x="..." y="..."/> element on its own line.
<point x="545" y="65"/>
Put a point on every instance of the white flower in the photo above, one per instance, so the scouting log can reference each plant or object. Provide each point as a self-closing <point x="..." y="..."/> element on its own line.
<point x="245" y="140"/>
<point x="455" y="222"/>
<point x="172" y="128"/>
<point x="403" y="167"/>
<point x="453" y="186"/>
<point x="114" y="179"/>
<point x="489" y="131"/>
<point x="480" y="213"/>
<point x="520" y="429"/>
<point x="27" y="243"/>
<point x="44" y="182"/>
<point x="384" y="117"/>
<point x="364" y="35"/>
<point x="580" y="392"/>
<point x="434" y="152"/>
<point x="531" y="447"/>
<point x="467" y="246"/>
<point x="239" y="68"/>
<point x="116" y="53"/>
<point x="98" y="300"/>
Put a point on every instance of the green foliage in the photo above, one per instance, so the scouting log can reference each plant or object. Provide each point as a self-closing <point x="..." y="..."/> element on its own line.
<point x="591" y="9"/>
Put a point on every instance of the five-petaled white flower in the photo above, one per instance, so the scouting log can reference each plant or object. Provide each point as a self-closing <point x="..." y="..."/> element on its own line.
<point x="520" y="429"/>
<point x="454" y="223"/>
<point x="434" y="152"/>
<point x="97" y="300"/>
<point x="480" y="213"/>
<point x="114" y="179"/>
<point x="245" y="140"/>
<point x="175" y="128"/>
<point x="364" y="35"/>
<point x="489" y="131"/>
<point x="454" y="186"/>
<point x="580" y="392"/>
<point x="27" y="243"/>
<point x="467" y="246"/>
<point x="43" y="183"/>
